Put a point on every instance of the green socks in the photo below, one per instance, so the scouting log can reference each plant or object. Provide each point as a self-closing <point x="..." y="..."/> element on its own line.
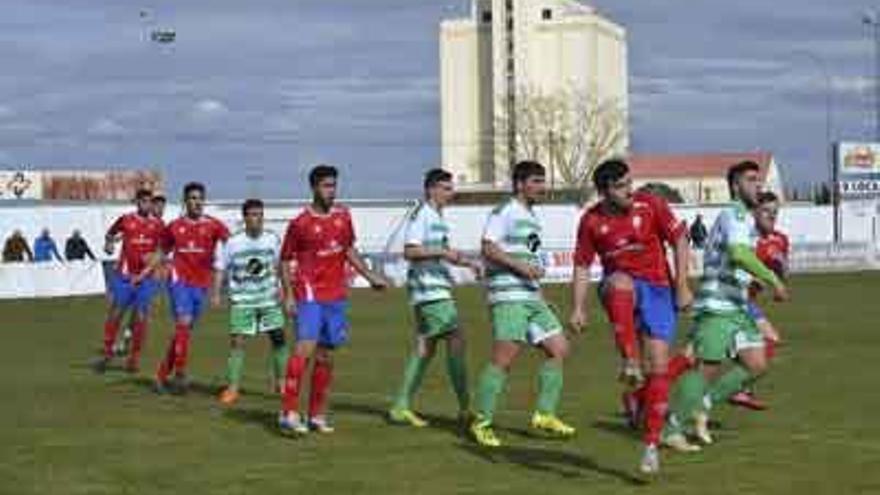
<point x="234" y="367"/>
<point x="490" y="384"/>
<point x="549" y="387"/>
<point x="687" y="397"/>
<point x="279" y="363"/>
<point x="455" y="366"/>
<point x="412" y="378"/>
<point x="728" y="384"/>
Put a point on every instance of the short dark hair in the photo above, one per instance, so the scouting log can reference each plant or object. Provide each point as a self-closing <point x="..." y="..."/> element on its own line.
<point x="525" y="169"/>
<point x="142" y="193"/>
<point x="736" y="171"/>
<point x="767" y="197"/>
<point x="193" y="186"/>
<point x="435" y="175"/>
<point x="160" y="198"/>
<point x="321" y="172"/>
<point x="251" y="204"/>
<point x="609" y="172"/>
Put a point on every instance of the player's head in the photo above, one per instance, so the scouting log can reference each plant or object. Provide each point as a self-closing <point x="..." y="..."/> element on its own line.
<point x="322" y="180"/>
<point x="252" y="214"/>
<point x="744" y="182"/>
<point x="438" y="186"/>
<point x="194" y="198"/>
<point x="159" y="202"/>
<point x="529" y="180"/>
<point x="613" y="182"/>
<point x="143" y="198"/>
<point x="767" y="212"/>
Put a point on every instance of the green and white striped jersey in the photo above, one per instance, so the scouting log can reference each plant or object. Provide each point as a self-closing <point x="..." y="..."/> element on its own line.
<point x="515" y="229"/>
<point x="724" y="286"/>
<point x="428" y="280"/>
<point x="251" y="266"/>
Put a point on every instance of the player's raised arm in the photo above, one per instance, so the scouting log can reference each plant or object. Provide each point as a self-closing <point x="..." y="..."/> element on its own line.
<point x="743" y="255"/>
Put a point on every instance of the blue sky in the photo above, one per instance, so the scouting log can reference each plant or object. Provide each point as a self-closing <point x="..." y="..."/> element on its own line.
<point x="253" y="93"/>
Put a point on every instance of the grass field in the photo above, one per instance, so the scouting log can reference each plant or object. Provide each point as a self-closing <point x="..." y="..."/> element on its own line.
<point x="65" y="430"/>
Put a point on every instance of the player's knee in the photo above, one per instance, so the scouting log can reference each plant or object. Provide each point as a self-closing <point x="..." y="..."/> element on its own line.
<point x="276" y="337"/>
<point x="620" y="281"/>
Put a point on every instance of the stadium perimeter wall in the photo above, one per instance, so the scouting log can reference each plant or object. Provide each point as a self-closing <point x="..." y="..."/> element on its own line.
<point x="379" y="231"/>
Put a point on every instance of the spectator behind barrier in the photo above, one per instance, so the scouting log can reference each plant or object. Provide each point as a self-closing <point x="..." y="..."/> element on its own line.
<point x="16" y="248"/>
<point x="45" y="248"/>
<point x="76" y="248"/>
<point x="698" y="233"/>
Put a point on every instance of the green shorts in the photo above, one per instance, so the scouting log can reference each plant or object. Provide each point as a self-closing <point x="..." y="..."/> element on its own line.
<point x="720" y="336"/>
<point x="251" y="321"/>
<point x="524" y="321"/>
<point x="436" y="318"/>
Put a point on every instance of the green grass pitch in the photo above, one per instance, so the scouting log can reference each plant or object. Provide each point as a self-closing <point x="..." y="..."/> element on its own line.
<point x="64" y="430"/>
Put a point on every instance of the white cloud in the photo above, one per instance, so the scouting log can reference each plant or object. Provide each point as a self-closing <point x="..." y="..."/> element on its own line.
<point x="209" y="108"/>
<point x="6" y="112"/>
<point x="106" y="127"/>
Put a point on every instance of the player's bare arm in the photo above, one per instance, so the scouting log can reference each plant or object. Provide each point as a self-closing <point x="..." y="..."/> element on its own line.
<point x="580" y="287"/>
<point x="681" y="256"/>
<point x="493" y="253"/>
<point x="376" y="280"/>
<point x="217" y="288"/>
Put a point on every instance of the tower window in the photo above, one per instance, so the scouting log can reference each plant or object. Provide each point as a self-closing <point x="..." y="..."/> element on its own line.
<point x="546" y="14"/>
<point x="487" y="16"/>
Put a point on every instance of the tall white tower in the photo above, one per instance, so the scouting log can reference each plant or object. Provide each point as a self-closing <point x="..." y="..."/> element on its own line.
<point x="504" y="46"/>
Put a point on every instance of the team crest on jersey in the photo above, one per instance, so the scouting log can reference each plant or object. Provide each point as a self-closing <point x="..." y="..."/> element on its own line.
<point x="533" y="243"/>
<point x="337" y="223"/>
<point x="603" y="229"/>
<point x="255" y="267"/>
<point x="637" y="221"/>
<point x="317" y="229"/>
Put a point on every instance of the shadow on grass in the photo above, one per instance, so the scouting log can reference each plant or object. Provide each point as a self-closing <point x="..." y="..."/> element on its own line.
<point x="617" y="427"/>
<point x="265" y="418"/>
<point x="562" y="463"/>
<point x="194" y="388"/>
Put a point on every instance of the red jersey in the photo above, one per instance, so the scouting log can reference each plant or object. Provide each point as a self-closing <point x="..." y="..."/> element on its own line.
<point x="318" y="244"/>
<point x="772" y="250"/>
<point x="632" y="242"/>
<point x="192" y="244"/>
<point x="140" y="238"/>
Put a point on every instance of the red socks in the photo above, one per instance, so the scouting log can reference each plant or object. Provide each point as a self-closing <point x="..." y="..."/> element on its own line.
<point x="656" y="405"/>
<point x="620" y="305"/>
<point x="322" y="376"/>
<point x="181" y="347"/>
<point x="111" y="328"/>
<point x="678" y="365"/>
<point x="296" y="366"/>
<point x="769" y="349"/>
<point x="138" y="332"/>
<point x="176" y="355"/>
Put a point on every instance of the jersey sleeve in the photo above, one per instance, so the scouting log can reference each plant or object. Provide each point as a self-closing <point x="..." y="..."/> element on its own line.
<point x="349" y="226"/>
<point x="585" y="250"/>
<point x="415" y="230"/>
<point x="495" y="228"/>
<point x="221" y="256"/>
<point x="289" y="246"/>
<point x="222" y="231"/>
<point x="117" y="227"/>
<point x="166" y="239"/>
<point x="669" y="227"/>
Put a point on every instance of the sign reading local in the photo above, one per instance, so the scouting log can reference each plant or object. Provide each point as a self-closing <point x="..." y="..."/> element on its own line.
<point x="858" y="165"/>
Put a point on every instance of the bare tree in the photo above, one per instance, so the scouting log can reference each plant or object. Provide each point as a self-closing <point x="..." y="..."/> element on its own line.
<point x="570" y="131"/>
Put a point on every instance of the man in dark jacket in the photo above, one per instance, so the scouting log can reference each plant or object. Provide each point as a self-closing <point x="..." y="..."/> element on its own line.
<point x="76" y="248"/>
<point x="16" y="249"/>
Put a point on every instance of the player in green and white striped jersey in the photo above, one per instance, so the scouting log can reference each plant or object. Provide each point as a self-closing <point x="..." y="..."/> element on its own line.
<point x="512" y="249"/>
<point x="723" y="330"/>
<point x="426" y="247"/>
<point x="251" y="262"/>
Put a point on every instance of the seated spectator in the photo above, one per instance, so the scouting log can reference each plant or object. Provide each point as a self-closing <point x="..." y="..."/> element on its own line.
<point x="16" y="248"/>
<point x="45" y="248"/>
<point x="76" y="248"/>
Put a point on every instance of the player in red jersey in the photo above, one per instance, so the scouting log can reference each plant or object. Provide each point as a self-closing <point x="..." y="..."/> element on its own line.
<point x="773" y="250"/>
<point x="630" y="232"/>
<point x="132" y="286"/>
<point x="192" y="241"/>
<point x="320" y="243"/>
